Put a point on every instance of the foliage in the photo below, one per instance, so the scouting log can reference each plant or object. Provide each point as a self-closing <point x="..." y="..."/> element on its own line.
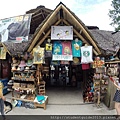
<point x="114" y="14"/>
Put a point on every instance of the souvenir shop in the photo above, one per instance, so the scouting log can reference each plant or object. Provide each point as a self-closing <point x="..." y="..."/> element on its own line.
<point x="63" y="54"/>
<point x="62" y="61"/>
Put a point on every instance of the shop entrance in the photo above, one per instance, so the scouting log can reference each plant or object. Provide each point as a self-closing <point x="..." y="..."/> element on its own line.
<point x="65" y="84"/>
<point x="64" y="76"/>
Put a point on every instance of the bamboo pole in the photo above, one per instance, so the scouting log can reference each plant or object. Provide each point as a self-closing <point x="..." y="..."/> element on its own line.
<point x="87" y="34"/>
<point x="43" y="27"/>
<point x="75" y="31"/>
<point x="6" y="49"/>
<point x="46" y="35"/>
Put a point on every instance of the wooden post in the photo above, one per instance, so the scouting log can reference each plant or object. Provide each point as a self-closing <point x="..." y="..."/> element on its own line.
<point x="38" y="73"/>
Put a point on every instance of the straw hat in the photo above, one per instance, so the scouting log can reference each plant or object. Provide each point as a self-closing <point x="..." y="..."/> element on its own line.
<point x="21" y="68"/>
<point x="18" y="69"/>
<point x="13" y="68"/>
<point x="15" y="63"/>
<point x="22" y="63"/>
<point x="27" y="68"/>
<point x="33" y="67"/>
<point x="29" y="62"/>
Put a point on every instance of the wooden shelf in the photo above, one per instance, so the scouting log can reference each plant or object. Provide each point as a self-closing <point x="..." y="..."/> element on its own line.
<point x="32" y="80"/>
<point x="22" y="99"/>
<point x="113" y="62"/>
<point x="23" y="88"/>
<point x="41" y="86"/>
<point x="28" y="71"/>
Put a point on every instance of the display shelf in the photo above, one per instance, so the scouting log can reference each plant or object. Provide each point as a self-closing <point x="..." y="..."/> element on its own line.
<point x="25" y="82"/>
<point x="24" y="71"/>
<point x="24" y="88"/>
<point x="101" y="87"/>
<point x="25" y="79"/>
<point x="41" y="88"/>
<point x="26" y="100"/>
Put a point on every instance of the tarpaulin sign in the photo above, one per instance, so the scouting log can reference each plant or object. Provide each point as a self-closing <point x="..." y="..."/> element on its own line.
<point x="15" y="29"/>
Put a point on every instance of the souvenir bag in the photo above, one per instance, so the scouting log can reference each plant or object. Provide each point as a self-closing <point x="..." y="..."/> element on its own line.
<point x="76" y="48"/>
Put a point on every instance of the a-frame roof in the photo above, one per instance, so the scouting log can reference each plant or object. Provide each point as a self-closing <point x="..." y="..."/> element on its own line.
<point x="63" y="16"/>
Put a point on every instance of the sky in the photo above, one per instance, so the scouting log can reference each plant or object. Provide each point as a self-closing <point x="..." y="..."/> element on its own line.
<point x="91" y="12"/>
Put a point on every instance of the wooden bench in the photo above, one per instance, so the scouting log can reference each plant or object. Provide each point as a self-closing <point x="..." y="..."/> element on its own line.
<point x="43" y="105"/>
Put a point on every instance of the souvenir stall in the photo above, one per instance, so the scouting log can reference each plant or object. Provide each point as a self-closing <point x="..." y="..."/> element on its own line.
<point x="97" y="84"/>
<point x="4" y="68"/>
<point x="26" y="86"/>
<point x="113" y="69"/>
<point x="100" y="80"/>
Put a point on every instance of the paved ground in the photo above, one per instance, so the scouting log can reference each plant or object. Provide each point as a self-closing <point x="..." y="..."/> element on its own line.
<point x="63" y="109"/>
<point x="88" y="109"/>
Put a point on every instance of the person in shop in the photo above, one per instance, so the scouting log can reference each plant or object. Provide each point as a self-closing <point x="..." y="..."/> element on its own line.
<point x="117" y="97"/>
<point x="2" y="99"/>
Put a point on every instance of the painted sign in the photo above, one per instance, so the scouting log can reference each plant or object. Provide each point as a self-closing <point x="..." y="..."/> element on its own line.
<point x="15" y="29"/>
<point x="61" y="32"/>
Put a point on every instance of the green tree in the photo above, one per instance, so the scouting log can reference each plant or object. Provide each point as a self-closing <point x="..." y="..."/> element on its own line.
<point x="114" y="14"/>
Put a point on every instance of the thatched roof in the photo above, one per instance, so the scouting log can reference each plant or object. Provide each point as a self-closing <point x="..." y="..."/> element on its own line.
<point x="103" y="42"/>
<point x="116" y="36"/>
<point x="107" y="41"/>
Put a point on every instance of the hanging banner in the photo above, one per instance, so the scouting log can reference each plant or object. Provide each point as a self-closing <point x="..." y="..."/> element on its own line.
<point x="3" y="52"/>
<point x="61" y="32"/>
<point x="15" y="29"/>
<point x="38" y="54"/>
<point x="62" y="51"/>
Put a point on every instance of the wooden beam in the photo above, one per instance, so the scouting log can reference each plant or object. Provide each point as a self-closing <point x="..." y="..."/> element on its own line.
<point x="42" y="40"/>
<point x="43" y="27"/>
<point x="118" y="61"/>
<point x="78" y="34"/>
<point x="87" y="34"/>
<point x="46" y="35"/>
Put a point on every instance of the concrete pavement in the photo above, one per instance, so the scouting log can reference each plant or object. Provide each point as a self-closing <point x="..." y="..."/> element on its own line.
<point x="63" y="109"/>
